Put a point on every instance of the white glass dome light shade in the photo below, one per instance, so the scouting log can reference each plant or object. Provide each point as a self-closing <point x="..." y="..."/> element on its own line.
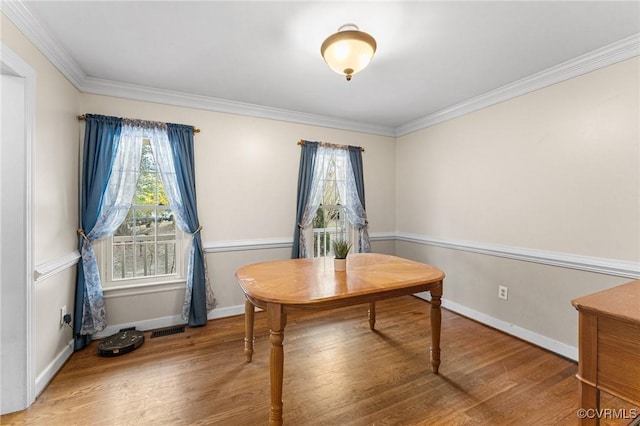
<point x="348" y="51"/>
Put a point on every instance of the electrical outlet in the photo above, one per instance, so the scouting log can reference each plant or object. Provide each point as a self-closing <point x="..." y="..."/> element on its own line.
<point x="63" y="312"/>
<point x="503" y="292"/>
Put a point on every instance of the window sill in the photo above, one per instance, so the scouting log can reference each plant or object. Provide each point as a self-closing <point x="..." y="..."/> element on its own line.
<point x="146" y="288"/>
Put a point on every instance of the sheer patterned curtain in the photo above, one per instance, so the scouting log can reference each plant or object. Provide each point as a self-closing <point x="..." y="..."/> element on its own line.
<point x="315" y="195"/>
<point x="356" y="214"/>
<point x="355" y="155"/>
<point x="111" y="161"/>
<point x="174" y="155"/>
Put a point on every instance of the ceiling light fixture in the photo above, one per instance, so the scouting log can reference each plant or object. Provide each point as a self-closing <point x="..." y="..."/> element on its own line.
<point x="349" y="50"/>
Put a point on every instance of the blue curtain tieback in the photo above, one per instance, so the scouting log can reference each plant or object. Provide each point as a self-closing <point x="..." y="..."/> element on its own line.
<point x="80" y="231"/>
<point x="196" y="231"/>
<point x="300" y="226"/>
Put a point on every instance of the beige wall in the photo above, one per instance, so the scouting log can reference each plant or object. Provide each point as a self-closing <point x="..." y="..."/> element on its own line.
<point x="556" y="170"/>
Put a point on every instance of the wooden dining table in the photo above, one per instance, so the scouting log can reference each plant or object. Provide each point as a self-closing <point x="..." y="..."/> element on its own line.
<point x="283" y="286"/>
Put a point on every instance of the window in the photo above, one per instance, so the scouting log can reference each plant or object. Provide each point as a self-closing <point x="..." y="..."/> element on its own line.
<point x="329" y="206"/>
<point x="330" y="221"/>
<point x="146" y="243"/>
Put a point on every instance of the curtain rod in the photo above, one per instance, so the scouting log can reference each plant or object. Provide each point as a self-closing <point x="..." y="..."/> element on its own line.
<point x="329" y="145"/>
<point x="84" y="117"/>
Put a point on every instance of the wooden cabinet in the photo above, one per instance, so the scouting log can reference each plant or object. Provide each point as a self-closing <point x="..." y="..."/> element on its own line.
<point x="609" y="347"/>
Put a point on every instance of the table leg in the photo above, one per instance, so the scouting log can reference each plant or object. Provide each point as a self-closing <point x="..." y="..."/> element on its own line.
<point x="248" y="329"/>
<point x="277" y="321"/>
<point x="372" y="315"/>
<point x="436" y="295"/>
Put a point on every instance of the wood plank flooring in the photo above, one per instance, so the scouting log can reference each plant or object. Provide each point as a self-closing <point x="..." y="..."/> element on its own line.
<point x="337" y="372"/>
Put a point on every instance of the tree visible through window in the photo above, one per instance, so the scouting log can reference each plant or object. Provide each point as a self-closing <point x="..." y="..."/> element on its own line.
<point x="330" y="222"/>
<point x="145" y="243"/>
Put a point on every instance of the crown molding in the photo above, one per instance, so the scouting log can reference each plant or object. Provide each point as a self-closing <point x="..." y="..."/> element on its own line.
<point x="618" y="51"/>
<point x="19" y="14"/>
<point x="149" y="94"/>
<point x="22" y="18"/>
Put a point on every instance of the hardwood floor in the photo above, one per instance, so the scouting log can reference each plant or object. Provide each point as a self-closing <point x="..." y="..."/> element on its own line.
<point x="337" y="372"/>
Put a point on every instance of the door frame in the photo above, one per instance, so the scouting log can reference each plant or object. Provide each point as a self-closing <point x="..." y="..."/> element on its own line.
<point x="13" y="64"/>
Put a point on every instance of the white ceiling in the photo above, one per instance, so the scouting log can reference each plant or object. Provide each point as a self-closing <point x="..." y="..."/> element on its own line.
<point x="431" y="55"/>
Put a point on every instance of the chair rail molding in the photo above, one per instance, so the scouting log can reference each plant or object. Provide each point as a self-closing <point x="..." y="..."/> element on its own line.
<point x="619" y="268"/>
<point x="48" y="269"/>
<point x="271" y="243"/>
<point x="249" y="244"/>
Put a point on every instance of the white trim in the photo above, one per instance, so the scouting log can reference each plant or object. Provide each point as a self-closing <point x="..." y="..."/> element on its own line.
<point x="618" y="268"/>
<point x="54" y="366"/>
<point x="565" y="260"/>
<point x="150" y="94"/>
<point x="545" y="342"/>
<point x="19" y="14"/>
<point x="169" y="321"/>
<point x="151" y="324"/>
<point x="618" y="51"/>
<point x="48" y="269"/>
<point x="242" y="245"/>
<point x="608" y="55"/>
<point x="229" y="311"/>
<point x="382" y="236"/>
<point x="141" y="289"/>
<point x="10" y="59"/>
<point x="555" y="346"/>
<point x="271" y="243"/>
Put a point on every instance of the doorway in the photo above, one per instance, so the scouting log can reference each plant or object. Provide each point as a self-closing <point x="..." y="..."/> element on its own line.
<point x="17" y="373"/>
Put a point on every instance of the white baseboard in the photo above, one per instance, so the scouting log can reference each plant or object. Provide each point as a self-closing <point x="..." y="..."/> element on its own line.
<point x="151" y="324"/>
<point x="229" y="311"/>
<point x="54" y="366"/>
<point x="169" y="321"/>
<point x="552" y="345"/>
